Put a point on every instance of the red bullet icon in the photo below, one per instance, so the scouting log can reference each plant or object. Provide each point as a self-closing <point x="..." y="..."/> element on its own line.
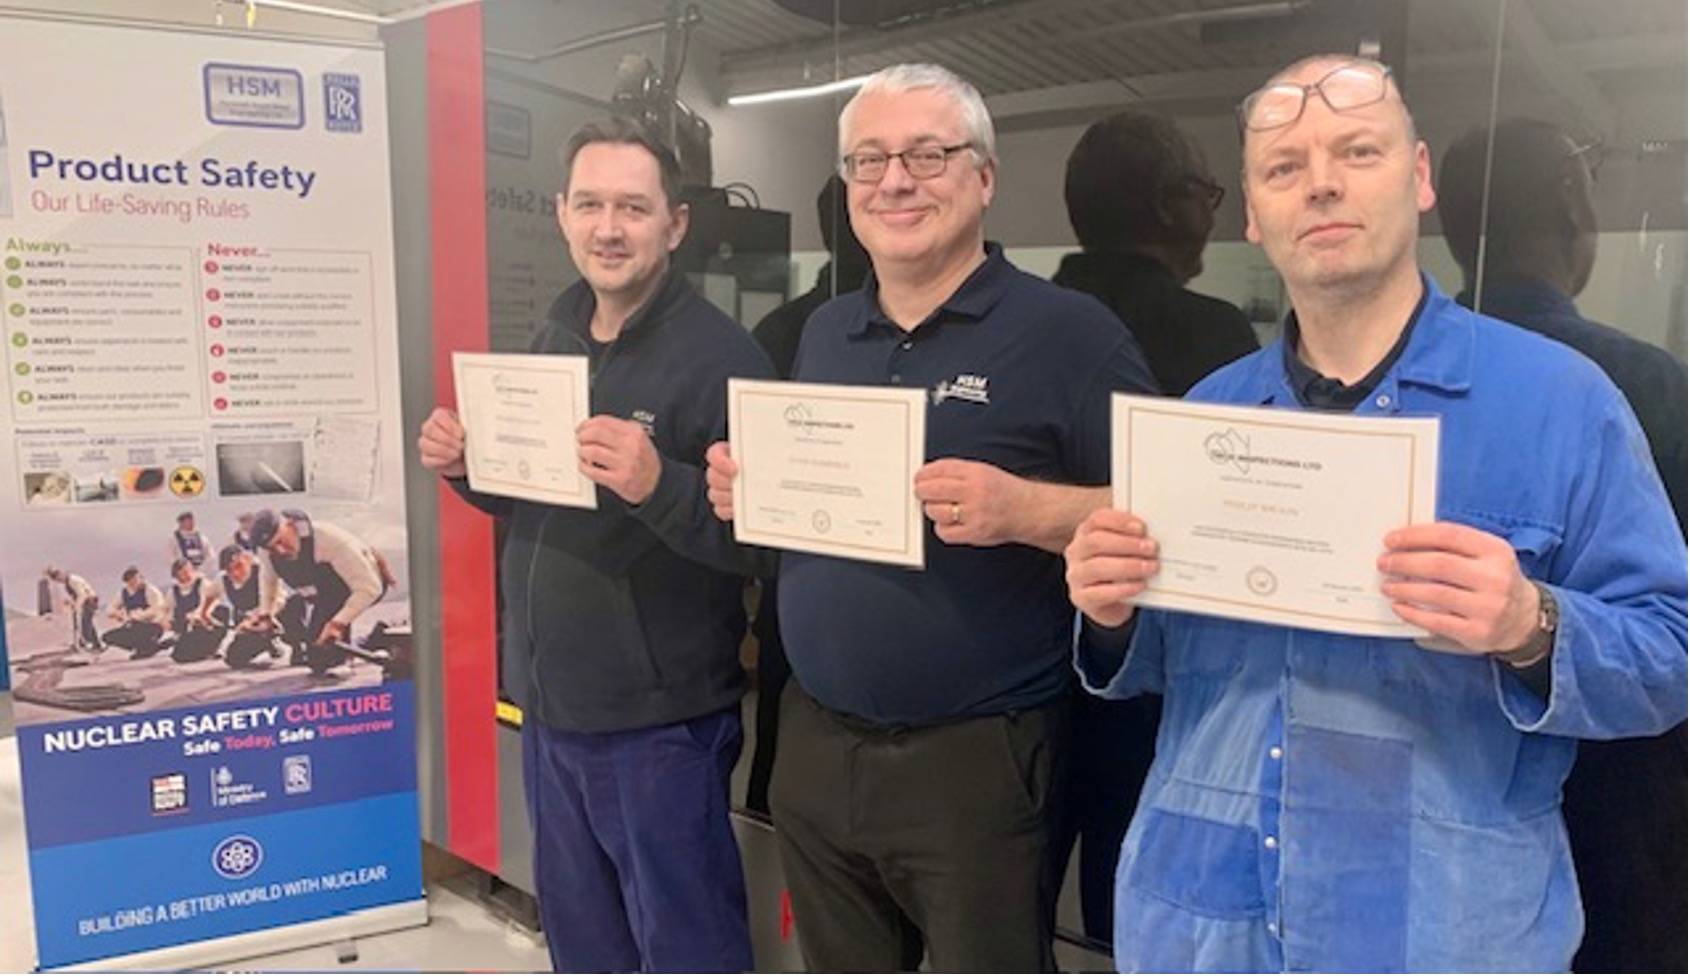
<point x="220" y="404"/>
<point x="213" y="294"/>
<point x="211" y="268"/>
<point x="215" y="322"/>
<point x="216" y="349"/>
<point x="219" y="377"/>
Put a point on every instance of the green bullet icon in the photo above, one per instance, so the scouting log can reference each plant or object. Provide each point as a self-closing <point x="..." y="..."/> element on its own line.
<point x="17" y="309"/>
<point x="22" y="369"/>
<point x="20" y="339"/>
<point x="25" y="397"/>
<point x="13" y="264"/>
<point x="14" y="281"/>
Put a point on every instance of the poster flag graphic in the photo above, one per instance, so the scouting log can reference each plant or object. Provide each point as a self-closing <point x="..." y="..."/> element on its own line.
<point x="202" y="498"/>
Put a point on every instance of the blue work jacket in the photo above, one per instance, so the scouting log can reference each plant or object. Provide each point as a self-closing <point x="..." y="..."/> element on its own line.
<point x="1332" y="803"/>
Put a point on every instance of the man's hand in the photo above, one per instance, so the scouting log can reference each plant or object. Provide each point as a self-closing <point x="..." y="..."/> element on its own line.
<point x="719" y="473"/>
<point x="441" y="443"/>
<point x="333" y="632"/>
<point x="256" y="622"/>
<point x="618" y="455"/>
<point x="1110" y="561"/>
<point x="1461" y="584"/>
<point x="973" y="504"/>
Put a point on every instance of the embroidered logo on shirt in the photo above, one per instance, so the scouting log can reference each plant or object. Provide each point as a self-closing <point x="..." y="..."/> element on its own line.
<point x="966" y="387"/>
<point x="647" y="420"/>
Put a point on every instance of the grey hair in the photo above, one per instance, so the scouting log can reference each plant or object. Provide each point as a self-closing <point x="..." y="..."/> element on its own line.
<point x="896" y="79"/>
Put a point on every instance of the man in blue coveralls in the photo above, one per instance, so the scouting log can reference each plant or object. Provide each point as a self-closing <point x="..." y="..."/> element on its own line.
<point x="1332" y="803"/>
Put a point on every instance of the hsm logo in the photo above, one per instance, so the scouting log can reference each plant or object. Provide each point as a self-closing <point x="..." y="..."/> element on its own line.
<point x="252" y="86"/>
<point x="972" y="388"/>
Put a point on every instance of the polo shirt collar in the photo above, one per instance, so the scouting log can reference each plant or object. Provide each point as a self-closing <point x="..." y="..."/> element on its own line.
<point x="973" y="299"/>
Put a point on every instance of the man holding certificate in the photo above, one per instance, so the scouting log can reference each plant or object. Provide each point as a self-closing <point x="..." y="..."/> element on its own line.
<point x="622" y="623"/>
<point x="1333" y="802"/>
<point x="919" y="740"/>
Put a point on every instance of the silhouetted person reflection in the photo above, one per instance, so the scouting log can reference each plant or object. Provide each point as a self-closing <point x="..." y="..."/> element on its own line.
<point x="780" y="330"/>
<point x="1625" y="800"/>
<point x="779" y="333"/>
<point x="1142" y="202"/>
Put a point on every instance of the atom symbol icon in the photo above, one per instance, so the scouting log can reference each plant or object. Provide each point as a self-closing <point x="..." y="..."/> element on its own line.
<point x="237" y="856"/>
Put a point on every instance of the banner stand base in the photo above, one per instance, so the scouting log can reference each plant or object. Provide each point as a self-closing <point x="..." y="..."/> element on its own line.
<point x="293" y="937"/>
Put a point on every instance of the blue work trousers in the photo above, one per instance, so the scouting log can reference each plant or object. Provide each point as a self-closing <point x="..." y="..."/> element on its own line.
<point x="634" y="857"/>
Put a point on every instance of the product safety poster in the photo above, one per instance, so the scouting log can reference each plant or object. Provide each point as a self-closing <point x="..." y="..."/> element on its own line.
<point x="201" y="495"/>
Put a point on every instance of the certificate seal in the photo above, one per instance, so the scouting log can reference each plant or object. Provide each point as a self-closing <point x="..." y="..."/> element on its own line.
<point x="821" y="521"/>
<point x="1261" y="581"/>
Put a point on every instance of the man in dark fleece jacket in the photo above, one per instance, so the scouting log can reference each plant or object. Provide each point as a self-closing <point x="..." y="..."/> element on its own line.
<point x="622" y="624"/>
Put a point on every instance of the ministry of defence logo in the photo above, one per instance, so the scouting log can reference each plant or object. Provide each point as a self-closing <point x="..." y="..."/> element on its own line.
<point x="228" y="790"/>
<point x="237" y="857"/>
<point x="296" y="774"/>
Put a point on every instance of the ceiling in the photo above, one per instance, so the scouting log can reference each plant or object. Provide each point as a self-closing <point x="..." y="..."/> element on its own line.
<point x="1042" y="62"/>
<point x="1024" y="54"/>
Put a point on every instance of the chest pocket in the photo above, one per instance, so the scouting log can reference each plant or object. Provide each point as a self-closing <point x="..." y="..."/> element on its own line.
<point x="1535" y="544"/>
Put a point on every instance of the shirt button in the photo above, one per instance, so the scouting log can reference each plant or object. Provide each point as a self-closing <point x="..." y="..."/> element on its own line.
<point x="1273" y="928"/>
<point x="1271" y="842"/>
<point x="907" y="344"/>
<point x="1382" y="400"/>
<point x="897" y="377"/>
<point x="1275" y="753"/>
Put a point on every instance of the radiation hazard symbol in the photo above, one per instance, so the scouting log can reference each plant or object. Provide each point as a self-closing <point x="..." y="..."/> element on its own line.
<point x="187" y="482"/>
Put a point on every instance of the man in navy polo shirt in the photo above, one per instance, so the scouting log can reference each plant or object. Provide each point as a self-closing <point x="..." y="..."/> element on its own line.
<point x="919" y="743"/>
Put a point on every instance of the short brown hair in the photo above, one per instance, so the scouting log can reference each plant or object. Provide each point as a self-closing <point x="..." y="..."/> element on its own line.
<point x="624" y="131"/>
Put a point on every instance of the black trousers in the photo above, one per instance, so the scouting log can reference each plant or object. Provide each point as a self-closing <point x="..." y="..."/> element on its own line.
<point x="1112" y="747"/>
<point x="140" y="637"/>
<point x="773" y="672"/>
<point x="1625" y="809"/>
<point x="195" y="644"/>
<point x="895" y="839"/>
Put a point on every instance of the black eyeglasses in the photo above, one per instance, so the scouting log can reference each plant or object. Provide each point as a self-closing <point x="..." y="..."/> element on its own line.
<point x="922" y="162"/>
<point x="1207" y="190"/>
<point x="1594" y="153"/>
<point x="1344" y="89"/>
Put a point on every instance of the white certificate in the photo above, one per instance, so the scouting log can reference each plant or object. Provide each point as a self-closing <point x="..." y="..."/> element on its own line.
<point x="519" y="413"/>
<point x="829" y="469"/>
<point x="1273" y="515"/>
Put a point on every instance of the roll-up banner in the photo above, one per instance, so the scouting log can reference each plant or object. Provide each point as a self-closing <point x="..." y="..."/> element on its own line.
<point x="201" y="493"/>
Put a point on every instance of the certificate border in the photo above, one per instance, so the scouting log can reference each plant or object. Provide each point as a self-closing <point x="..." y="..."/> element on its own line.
<point x="585" y="496"/>
<point x="1413" y="462"/>
<point x="740" y="393"/>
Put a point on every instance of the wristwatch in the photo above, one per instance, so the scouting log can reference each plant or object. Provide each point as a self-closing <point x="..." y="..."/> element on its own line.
<point x="1543" y="636"/>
